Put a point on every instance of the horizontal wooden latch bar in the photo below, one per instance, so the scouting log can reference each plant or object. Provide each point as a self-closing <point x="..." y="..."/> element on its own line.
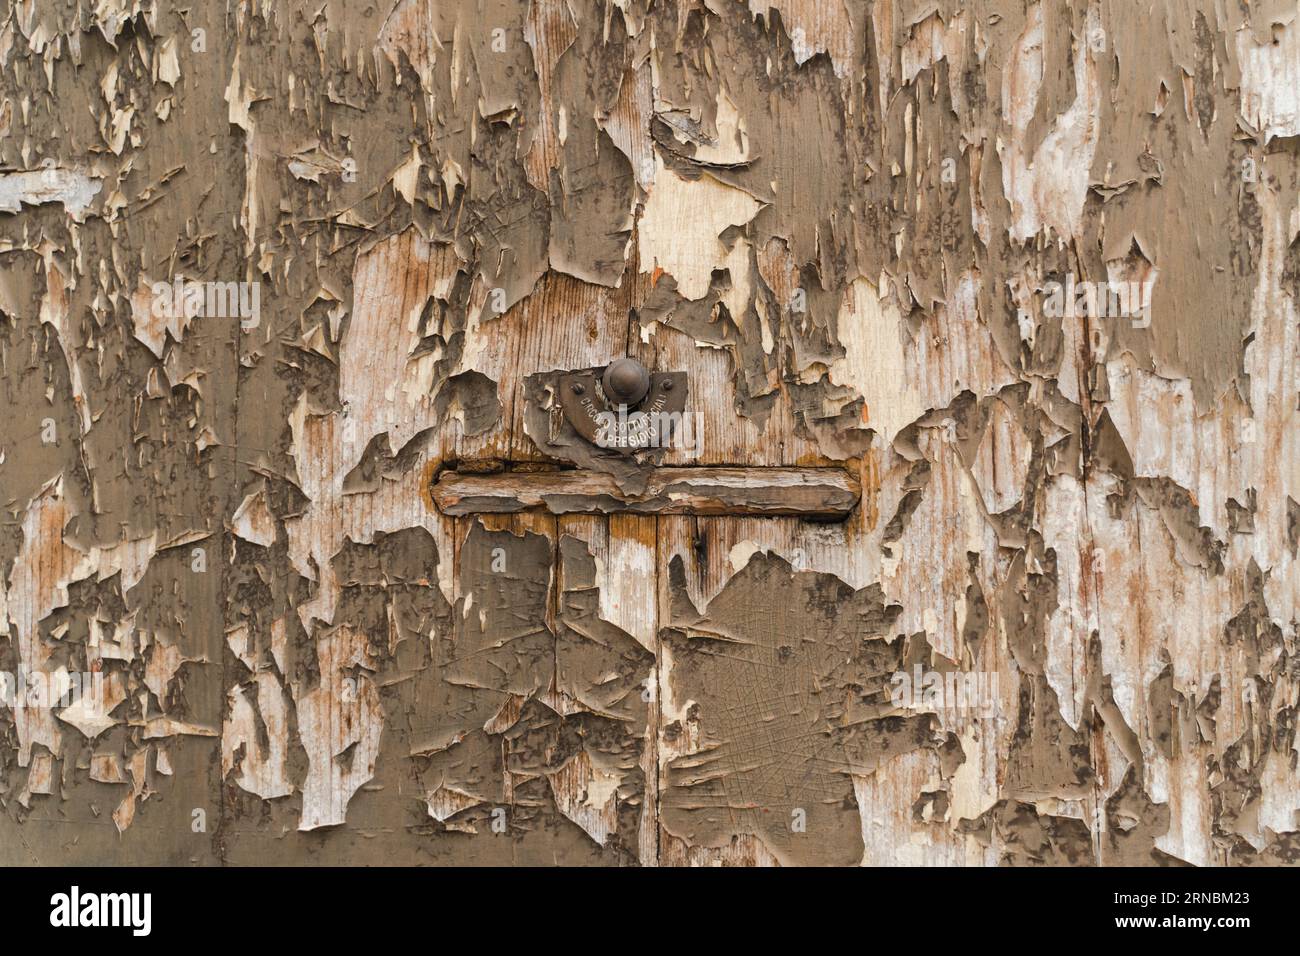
<point x="824" y="493"/>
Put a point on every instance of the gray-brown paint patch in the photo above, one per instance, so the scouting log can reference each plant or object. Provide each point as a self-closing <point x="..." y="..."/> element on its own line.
<point x="781" y="676"/>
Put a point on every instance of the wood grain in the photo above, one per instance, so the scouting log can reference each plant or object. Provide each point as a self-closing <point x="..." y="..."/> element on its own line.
<point x="807" y="492"/>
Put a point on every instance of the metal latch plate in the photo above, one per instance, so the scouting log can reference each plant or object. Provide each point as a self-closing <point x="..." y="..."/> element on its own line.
<point x="652" y="423"/>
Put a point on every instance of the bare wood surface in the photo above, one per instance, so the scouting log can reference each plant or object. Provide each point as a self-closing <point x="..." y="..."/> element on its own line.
<point x="806" y="492"/>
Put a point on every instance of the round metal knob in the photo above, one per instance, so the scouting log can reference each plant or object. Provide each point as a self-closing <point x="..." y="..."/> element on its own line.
<point x="625" y="381"/>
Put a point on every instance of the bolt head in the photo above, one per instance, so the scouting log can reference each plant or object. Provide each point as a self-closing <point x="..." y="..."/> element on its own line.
<point x="576" y="388"/>
<point x="626" y="381"/>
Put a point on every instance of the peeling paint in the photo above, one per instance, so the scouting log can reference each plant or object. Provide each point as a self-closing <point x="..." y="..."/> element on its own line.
<point x="844" y="225"/>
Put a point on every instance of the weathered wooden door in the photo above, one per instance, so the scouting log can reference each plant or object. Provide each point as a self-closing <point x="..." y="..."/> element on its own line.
<point x="984" y="546"/>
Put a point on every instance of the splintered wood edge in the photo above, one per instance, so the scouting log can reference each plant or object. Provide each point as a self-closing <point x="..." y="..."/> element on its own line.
<point x="809" y="492"/>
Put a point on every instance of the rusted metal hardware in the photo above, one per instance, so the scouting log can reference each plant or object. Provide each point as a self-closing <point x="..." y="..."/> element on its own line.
<point x="624" y="407"/>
